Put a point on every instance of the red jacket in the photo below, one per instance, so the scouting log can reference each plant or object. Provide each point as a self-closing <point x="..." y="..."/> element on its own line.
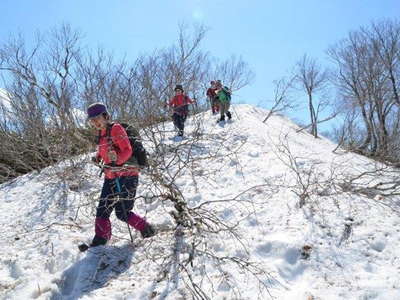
<point x="119" y="142"/>
<point x="179" y="104"/>
<point x="211" y="92"/>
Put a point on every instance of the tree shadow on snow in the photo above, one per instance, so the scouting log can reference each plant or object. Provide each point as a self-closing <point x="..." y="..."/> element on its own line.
<point x="99" y="266"/>
<point x="171" y="274"/>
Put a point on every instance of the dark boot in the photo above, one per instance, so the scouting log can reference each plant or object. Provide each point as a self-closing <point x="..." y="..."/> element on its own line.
<point x="102" y="232"/>
<point x="222" y="119"/>
<point x="148" y="231"/>
<point x="229" y="115"/>
<point x="98" y="241"/>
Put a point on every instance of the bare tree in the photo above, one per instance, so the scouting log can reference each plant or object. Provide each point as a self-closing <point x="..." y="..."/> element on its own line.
<point x="367" y="80"/>
<point x="348" y="80"/>
<point x="385" y="40"/>
<point x="233" y="72"/>
<point x="312" y="79"/>
<point x="41" y="126"/>
<point x="282" y="101"/>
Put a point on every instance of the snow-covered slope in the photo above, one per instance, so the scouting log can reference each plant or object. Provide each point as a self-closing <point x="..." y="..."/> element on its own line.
<point x="338" y="245"/>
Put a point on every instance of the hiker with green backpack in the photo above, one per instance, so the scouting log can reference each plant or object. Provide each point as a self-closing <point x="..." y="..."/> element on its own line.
<point x="114" y="150"/>
<point x="224" y="101"/>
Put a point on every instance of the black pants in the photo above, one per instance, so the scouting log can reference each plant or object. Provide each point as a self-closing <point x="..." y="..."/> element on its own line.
<point x="109" y="201"/>
<point x="179" y="121"/>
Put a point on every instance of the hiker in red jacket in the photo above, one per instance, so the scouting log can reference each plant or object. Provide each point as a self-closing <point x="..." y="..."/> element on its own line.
<point x="180" y="105"/>
<point x="120" y="183"/>
<point x="212" y="98"/>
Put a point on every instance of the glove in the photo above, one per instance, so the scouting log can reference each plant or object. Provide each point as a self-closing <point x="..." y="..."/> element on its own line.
<point x="112" y="156"/>
<point x="95" y="159"/>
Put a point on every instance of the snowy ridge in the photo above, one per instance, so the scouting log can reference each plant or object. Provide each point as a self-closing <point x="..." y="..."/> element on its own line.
<point x="335" y="246"/>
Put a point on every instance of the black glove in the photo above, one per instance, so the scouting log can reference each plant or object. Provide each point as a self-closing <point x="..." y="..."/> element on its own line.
<point x="96" y="159"/>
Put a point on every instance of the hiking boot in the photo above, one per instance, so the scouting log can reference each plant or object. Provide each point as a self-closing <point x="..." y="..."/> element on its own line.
<point x="229" y="115"/>
<point x="98" y="241"/>
<point x="222" y="119"/>
<point x="180" y="133"/>
<point x="148" y="231"/>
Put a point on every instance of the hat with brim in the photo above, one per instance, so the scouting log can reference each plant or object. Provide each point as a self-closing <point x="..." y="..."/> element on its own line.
<point x="178" y="87"/>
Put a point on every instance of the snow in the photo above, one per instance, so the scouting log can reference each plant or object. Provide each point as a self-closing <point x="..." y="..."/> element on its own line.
<point x="338" y="245"/>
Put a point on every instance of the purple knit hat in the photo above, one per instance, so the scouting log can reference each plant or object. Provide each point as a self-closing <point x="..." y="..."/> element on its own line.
<point x="95" y="110"/>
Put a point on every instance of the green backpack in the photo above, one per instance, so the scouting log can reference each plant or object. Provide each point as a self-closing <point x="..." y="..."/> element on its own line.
<point x="227" y="93"/>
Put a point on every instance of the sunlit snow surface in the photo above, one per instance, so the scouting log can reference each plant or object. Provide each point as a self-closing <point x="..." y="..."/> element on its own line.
<point x="337" y="246"/>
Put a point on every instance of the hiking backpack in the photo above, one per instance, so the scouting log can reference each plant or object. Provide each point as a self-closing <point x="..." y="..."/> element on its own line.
<point x="139" y="156"/>
<point x="227" y="92"/>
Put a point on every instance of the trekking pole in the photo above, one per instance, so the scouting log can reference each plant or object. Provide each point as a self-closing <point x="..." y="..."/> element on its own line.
<point x="119" y="190"/>
<point x="235" y="112"/>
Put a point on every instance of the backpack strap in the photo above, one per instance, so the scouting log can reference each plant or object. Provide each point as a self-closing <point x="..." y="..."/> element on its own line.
<point x="108" y="133"/>
<point x="108" y="129"/>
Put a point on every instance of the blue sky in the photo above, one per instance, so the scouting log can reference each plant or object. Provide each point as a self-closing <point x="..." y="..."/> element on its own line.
<point x="270" y="35"/>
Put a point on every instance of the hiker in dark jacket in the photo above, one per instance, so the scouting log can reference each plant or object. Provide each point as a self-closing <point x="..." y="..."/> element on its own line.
<point x="212" y="98"/>
<point x="180" y="105"/>
<point x="224" y="100"/>
<point x="113" y="150"/>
